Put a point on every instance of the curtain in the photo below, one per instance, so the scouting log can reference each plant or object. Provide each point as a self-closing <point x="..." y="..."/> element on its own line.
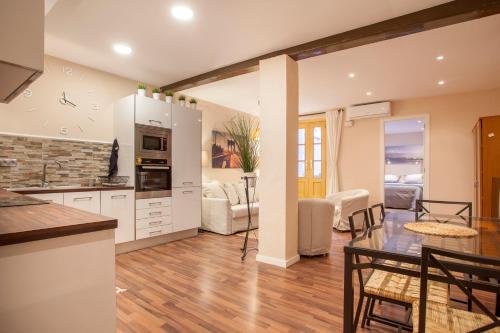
<point x="334" y="119"/>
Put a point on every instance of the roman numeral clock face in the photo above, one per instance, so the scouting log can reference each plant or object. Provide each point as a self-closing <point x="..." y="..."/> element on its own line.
<point x="72" y="93"/>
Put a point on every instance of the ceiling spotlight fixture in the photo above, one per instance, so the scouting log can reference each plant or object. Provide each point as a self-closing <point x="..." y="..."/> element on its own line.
<point x="182" y="13"/>
<point x="122" y="49"/>
<point x="351" y="75"/>
<point x="440" y="57"/>
<point x="441" y="82"/>
<point x="368" y="93"/>
<point x="419" y="121"/>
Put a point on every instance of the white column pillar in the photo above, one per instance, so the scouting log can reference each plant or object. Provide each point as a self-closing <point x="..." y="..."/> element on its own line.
<point x="278" y="210"/>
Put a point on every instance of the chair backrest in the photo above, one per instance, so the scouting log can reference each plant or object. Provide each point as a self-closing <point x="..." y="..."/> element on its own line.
<point x="381" y="213"/>
<point x="464" y="212"/>
<point x="361" y="215"/>
<point x="439" y="258"/>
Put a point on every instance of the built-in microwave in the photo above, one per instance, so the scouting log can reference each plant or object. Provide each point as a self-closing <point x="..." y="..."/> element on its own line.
<point x="153" y="142"/>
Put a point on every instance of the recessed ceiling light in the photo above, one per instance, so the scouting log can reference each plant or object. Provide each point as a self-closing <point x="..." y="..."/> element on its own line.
<point x="351" y="75"/>
<point x="122" y="49"/>
<point x="419" y="121"/>
<point x="182" y="13"/>
<point x="441" y="82"/>
<point x="440" y="57"/>
<point x="368" y="93"/>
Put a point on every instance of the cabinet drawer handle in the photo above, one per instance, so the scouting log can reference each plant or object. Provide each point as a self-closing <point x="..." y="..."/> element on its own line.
<point x="151" y="121"/>
<point x="155" y="203"/>
<point x="153" y="233"/>
<point x="187" y="183"/>
<point x="154" y="213"/>
<point x="118" y="196"/>
<point x="153" y="223"/>
<point x="187" y="192"/>
<point x="83" y="199"/>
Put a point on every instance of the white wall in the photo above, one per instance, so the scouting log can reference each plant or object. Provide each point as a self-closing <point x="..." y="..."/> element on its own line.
<point x="93" y="92"/>
<point x="452" y="119"/>
<point x="214" y="117"/>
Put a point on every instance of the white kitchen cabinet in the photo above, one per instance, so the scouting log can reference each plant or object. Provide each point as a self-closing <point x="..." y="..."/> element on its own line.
<point x="57" y="198"/>
<point x="153" y="212"/>
<point x="153" y="203"/>
<point x="152" y="112"/>
<point x="186" y="147"/>
<point x="153" y="222"/>
<point x="119" y="204"/>
<point x="87" y="201"/>
<point x="186" y="208"/>
<point x="154" y="231"/>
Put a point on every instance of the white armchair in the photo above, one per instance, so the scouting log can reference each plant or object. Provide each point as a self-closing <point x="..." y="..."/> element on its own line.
<point x="346" y="203"/>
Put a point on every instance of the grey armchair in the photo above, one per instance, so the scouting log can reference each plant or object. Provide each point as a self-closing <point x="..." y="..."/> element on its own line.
<point x="315" y="226"/>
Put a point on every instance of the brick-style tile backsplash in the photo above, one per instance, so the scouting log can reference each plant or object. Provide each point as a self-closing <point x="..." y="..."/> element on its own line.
<point x="81" y="161"/>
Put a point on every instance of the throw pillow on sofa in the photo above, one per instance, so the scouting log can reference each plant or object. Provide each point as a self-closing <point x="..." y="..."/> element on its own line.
<point x="231" y="193"/>
<point x="213" y="190"/>
<point x="240" y="188"/>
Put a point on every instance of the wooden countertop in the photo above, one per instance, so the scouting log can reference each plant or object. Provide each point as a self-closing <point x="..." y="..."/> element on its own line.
<point x="69" y="189"/>
<point x="21" y="224"/>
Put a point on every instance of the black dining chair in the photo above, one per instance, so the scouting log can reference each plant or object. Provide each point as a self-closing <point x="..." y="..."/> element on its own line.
<point x="465" y="207"/>
<point x="429" y="315"/>
<point x="381" y="213"/>
<point x="372" y="288"/>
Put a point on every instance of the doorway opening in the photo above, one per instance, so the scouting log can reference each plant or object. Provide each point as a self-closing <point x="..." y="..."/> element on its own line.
<point x="405" y="156"/>
<point x="312" y="158"/>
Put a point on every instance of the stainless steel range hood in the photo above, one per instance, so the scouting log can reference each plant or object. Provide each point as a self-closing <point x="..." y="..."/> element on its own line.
<point x="21" y="45"/>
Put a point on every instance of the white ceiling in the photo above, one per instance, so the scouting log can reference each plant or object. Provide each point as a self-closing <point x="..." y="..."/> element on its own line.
<point x="400" y="68"/>
<point x="222" y="32"/>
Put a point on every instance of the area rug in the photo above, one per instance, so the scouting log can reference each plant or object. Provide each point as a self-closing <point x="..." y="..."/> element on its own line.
<point x="440" y="229"/>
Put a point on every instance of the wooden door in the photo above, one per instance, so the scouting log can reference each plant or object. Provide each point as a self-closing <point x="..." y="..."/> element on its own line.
<point x="490" y="165"/>
<point x="312" y="159"/>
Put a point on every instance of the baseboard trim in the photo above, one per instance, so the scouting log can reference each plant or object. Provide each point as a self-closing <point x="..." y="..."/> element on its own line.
<point x="154" y="241"/>
<point x="283" y="263"/>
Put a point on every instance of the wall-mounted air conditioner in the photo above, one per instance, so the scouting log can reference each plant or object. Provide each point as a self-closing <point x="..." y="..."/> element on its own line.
<point x="372" y="110"/>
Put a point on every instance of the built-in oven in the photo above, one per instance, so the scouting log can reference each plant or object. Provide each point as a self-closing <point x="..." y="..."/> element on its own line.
<point x="153" y="142"/>
<point x="153" y="178"/>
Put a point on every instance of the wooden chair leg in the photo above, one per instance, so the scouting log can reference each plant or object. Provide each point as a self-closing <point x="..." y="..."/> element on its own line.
<point x="358" y="311"/>
<point x="370" y="312"/>
<point x="365" y="313"/>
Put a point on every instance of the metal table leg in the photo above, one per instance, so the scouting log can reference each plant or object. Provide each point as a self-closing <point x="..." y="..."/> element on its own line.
<point x="348" y="293"/>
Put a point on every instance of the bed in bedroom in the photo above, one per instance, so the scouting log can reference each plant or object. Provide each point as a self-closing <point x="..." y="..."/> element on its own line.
<point x="402" y="192"/>
<point x="402" y="196"/>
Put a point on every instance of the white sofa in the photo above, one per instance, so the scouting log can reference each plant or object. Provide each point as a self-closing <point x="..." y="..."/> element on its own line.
<point x="225" y="211"/>
<point x="346" y="203"/>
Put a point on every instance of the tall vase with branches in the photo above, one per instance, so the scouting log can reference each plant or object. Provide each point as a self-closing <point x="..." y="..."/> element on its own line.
<point x="243" y="130"/>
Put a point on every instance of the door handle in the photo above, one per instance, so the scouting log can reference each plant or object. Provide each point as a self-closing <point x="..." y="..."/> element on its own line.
<point x="153" y="223"/>
<point x="121" y="196"/>
<point x="187" y="192"/>
<point x="153" y="233"/>
<point x="187" y="183"/>
<point x="83" y="199"/>
<point x="151" y="121"/>
<point x="154" y="213"/>
<point x="155" y="203"/>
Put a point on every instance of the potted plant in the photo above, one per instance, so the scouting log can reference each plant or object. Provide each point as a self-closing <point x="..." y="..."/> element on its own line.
<point x="192" y="103"/>
<point x="156" y="93"/>
<point x="169" y="96"/>
<point x="243" y="130"/>
<point x="182" y="100"/>
<point x="141" y="89"/>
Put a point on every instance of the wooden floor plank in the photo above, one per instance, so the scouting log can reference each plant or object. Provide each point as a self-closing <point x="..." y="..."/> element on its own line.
<point x="200" y="285"/>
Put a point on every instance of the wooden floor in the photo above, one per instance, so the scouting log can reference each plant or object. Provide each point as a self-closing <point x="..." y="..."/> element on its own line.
<point x="200" y="285"/>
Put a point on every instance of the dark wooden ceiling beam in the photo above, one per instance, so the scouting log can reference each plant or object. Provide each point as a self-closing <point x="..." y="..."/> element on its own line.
<point x="431" y="18"/>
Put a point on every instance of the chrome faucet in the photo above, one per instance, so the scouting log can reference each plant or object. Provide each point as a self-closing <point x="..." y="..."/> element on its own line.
<point x="44" y="181"/>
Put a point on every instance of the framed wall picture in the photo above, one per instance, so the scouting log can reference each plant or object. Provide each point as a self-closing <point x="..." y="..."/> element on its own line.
<point x="225" y="155"/>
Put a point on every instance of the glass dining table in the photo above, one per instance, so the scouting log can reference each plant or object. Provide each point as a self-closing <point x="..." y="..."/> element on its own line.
<point x="391" y="242"/>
